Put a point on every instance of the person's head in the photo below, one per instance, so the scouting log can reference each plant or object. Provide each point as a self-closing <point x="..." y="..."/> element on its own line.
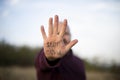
<point x="67" y="35"/>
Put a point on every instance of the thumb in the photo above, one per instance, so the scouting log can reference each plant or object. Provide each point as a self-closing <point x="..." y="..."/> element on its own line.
<point x="71" y="44"/>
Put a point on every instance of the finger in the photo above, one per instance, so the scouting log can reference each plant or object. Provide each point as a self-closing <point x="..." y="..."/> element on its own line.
<point x="50" y="31"/>
<point x="71" y="44"/>
<point x="64" y="25"/>
<point x="56" y="21"/>
<point x="43" y="32"/>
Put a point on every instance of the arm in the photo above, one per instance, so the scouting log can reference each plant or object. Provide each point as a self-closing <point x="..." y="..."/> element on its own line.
<point x="43" y="64"/>
<point x="76" y="66"/>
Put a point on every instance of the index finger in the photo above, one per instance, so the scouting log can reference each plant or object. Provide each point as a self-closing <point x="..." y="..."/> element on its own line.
<point x="64" y="25"/>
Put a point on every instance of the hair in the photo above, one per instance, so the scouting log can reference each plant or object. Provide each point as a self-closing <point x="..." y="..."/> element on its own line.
<point x="67" y="27"/>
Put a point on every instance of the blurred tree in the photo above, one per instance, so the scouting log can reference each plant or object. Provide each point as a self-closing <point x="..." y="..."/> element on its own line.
<point x="14" y="55"/>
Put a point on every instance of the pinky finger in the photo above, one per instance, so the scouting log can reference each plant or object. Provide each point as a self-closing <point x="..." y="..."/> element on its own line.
<point x="43" y="32"/>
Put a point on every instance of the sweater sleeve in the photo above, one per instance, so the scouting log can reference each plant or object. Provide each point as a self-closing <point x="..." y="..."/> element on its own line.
<point x="41" y="63"/>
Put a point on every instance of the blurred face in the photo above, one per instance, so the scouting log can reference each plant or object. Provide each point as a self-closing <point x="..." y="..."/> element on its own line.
<point x="67" y="35"/>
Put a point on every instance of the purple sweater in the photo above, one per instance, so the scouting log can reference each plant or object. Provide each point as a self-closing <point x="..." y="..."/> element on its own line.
<point x="67" y="68"/>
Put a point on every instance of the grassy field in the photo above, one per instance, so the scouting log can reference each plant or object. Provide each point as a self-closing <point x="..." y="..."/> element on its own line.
<point x="28" y="73"/>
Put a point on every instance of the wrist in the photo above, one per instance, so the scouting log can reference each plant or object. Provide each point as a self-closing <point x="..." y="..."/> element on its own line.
<point x="52" y="62"/>
<point x="51" y="59"/>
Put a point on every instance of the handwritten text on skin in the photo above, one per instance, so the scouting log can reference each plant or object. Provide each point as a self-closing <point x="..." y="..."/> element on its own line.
<point x="50" y="46"/>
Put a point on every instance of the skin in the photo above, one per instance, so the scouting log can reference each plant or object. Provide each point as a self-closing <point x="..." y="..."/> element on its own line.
<point x="57" y="43"/>
<point x="67" y="34"/>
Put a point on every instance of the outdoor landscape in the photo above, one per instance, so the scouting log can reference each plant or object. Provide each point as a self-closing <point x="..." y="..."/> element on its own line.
<point x="17" y="63"/>
<point x="94" y="23"/>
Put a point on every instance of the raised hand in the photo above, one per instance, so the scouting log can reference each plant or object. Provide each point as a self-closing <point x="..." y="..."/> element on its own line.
<point x="54" y="46"/>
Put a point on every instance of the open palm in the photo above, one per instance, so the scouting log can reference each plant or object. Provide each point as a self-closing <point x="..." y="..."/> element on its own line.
<point x="54" y="46"/>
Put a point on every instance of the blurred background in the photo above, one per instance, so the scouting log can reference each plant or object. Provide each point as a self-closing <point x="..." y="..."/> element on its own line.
<point x="95" y="23"/>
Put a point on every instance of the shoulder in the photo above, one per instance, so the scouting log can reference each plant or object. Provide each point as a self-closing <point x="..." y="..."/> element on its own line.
<point x="78" y="59"/>
<point x="79" y="62"/>
<point x="74" y="65"/>
<point x="73" y="59"/>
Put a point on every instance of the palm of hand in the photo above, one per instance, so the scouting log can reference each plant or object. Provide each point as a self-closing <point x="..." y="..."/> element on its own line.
<point x="54" y="47"/>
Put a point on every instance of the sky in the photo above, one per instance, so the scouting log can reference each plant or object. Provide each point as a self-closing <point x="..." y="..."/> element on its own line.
<point x="95" y="23"/>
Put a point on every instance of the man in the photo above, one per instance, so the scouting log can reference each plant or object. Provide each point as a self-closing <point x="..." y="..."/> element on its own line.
<point x="56" y="60"/>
